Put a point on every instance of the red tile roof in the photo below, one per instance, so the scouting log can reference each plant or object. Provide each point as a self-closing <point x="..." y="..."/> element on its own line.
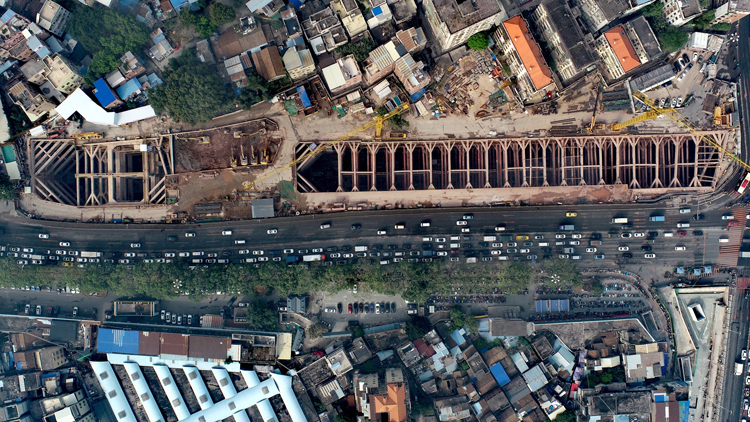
<point x="623" y="48"/>
<point x="528" y="51"/>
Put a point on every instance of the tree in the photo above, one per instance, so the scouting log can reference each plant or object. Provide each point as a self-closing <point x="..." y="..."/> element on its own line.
<point x="261" y="316"/>
<point x="103" y="62"/>
<point x="417" y="327"/>
<point x="100" y="28"/>
<point x="249" y="97"/>
<point x="567" y="416"/>
<point x="316" y="330"/>
<point x="606" y="378"/>
<point x="360" y="49"/>
<point x="8" y="190"/>
<point x="478" y="41"/>
<point x="672" y="39"/>
<point x="561" y="273"/>
<point x="704" y="20"/>
<point x="191" y="91"/>
<point x="724" y="27"/>
<point x="221" y="14"/>
<point x="187" y="17"/>
<point x="653" y="10"/>
<point x="459" y="319"/>
<point x="596" y="288"/>
<point x="205" y="27"/>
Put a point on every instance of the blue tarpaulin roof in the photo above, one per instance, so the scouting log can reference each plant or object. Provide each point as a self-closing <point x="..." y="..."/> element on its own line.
<point x="553" y="305"/>
<point x="303" y="96"/>
<point x="297" y="3"/>
<point x="103" y="93"/>
<point x="417" y="95"/>
<point x="377" y="11"/>
<point x="500" y="375"/>
<point x="117" y="341"/>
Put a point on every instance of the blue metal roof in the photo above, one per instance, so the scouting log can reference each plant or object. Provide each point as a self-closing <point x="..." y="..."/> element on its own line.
<point x="303" y="96"/>
<point x="128" y="88"/>
<point x="7" y="15"/>
<point x="417" y="95"/>
<point x="500" y="375"/>
<point x="103" y="94"/>
<point x="117" y="341"/>
<point x="377" y="11"/>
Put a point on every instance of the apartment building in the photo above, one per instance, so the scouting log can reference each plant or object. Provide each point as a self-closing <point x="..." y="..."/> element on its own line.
<point x="350" y="15"/>
<point x="452" y="22"/>
<point x="31" y="101"/>
<point x="598" y="13"/>
<point x="342" y="76"/>
<point x="680" y="12"/>
<point x="731" y="11"/>
<point x="299" y="64"/>
<point x="556" y="24"/>
<point x="324" y="32"/>
<point x="524" y="58"/>
<point x="627" y="46"/>
<point x="62" y="74"/>
<point x="53" y="17"/>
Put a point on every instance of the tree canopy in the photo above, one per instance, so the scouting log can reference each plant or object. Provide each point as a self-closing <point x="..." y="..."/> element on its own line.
<point x="101" y="28"/>
<point x="8" y="190"/>
<point x="361" y="49"/>
<point x="221" y="14"/>
<point x="671" y="38"/>
<point x="191" y="90"/>
<point x="478" y="41"/>
<point x="460" y="319"/>
<point x="561" y="273"/>
<point x="205" y="27"/>
<point x="262" y="316"/>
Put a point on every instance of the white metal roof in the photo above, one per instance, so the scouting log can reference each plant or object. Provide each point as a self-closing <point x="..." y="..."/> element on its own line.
<point x="172" y="392"/>
<point x="242" y="400"/>
<point x="228" y="390"/>
<point x="334" y="76"/>
<point x="290" y="400"/>
<point x="264" y="406"/>
<point x="112" y="390"/>
<point x="144" y="392"/>
<point x="199" y="387"/>
<point x="79" y="102"/>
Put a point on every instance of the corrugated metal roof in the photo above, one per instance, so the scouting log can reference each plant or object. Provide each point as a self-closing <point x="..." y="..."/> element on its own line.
<point x="173" y="393"/>
<point x="535" y="378"/>
<point x="149" y="343"/>
<point x="117" y="341"/>
<point x="207" y="347"/>
<point x="112" y="391"/>
<point x="174" y="344"/>
<point x="500" y="375"/>
<point x="103" y="93"/>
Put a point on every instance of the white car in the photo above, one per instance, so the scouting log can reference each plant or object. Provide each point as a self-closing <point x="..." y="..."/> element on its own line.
<point x="497" y="245"/>
<point x="260" y="252"/>
<point x="65" y="244"/>
<point x="623" y="249"/>
<point x="564" y="256"/>
<point x="335" y="255"/>
<point x="315" y="250"/>
<point x="639" y="235"/>
<point x="135" y="245"/>
<point x="184" y="254"/>
<point x="575" y="242"/>
<point x="272" y="231"/>
<point x="191" y="234"/>
<point x="496" y="252"/>
<point x="684" y="210"/>
<point x="74" y="253"/>
<point x="440" y="239"/>
<point x="381" y="232"/>
<point x="559" y="236"/>
<point x="461" y="222"/>
<point x="28" y="250"/>
<point x="649" y="255"/>
<point x="348" y="255"/>
<point x="575" y="236"/>
<point x="226" y="233"/>
<point x="465" y="230"/>
<point x="683" y="225"/>
<point x="442" y="253"/>
<point x="244" y="251"/>
<point x="325" y="226"/>
<point x="288" y="250"/>
<point x="591" y="250"/>
<point x="61" y="252"/>
<point x="129" y="255"/>
<point x="44" y="236"/>
<point x="680" y="248"/>
<point x="263" y="259"/>
<point x="169" y="255"/>
<point x="524" y="251"/>
<point x="425" y="223"/>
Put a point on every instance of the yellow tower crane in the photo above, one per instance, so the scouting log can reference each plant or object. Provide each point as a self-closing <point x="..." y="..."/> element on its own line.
<point x="377" y="123"/>
<point x="676" y="117"/>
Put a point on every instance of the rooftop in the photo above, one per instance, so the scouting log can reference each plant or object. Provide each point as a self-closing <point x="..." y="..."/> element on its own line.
<point x="638" y="402"/>
<point x="646" y="36"/>
<point x="528" y="51"/>
<point x="613" y="8"/>
<point x="569" y="31"/>
<point x="393" y="403"/>
<point x="623" y="48"/>
<point x="458" y="14"/>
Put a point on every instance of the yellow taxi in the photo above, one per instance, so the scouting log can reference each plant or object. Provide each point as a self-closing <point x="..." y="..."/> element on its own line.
<point x="571" y="214"/>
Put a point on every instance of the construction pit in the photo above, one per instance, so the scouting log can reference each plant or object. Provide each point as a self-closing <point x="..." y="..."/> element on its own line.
<point x="239" y="147"/>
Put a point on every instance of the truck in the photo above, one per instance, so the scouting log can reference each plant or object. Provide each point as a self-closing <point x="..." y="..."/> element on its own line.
<point x="471" y="260"/>
<point x="489" y="238"/>
<point x="316" y="257"/>
<point x="85" y="254"/>
<point x="428" y="253"/>
<point x="595" y="242"/>
<point x="38" y="257"/>
<point x="656" y="218"/>
<point x="360" y="249"/>
<point x="619" y="220"/>
<point x="569" y="250"/>
<point x="567" y="227"/>
<point x="291" y="259"/>
<point x="738" y="367"/>
<point x="505" y="238"/>
<point x="744" y="254"/>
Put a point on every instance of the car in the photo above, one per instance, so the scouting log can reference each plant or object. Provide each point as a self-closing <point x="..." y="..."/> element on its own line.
<point x="244" y="251"/>
<point x="511" y="251"/>
<point x="649" y="256"/>
<point x="75" y="312"/>
<point x="684" y="210"/>
<point x="325" y="226"/>
<point x="646" y="247"/>
<point x="262" y="252"/>
<point x="598" y="256"/>
<point x="169" y="255"/>
<point x="639" y="234"/>
<point x="377" y="308"/>
<point x="163" y="314"/>
<point x="174" y="318"/>
<point x="679" y="102"/>
<point x="627" y="255"/>
<point x="563" y="256"/>
<point x="263" y="259"/>
<point x="129" y="254"/>
<point x="576" y="236"/>
<point x="727" y="217"/>
<point x="571" y="214"/>
<point x="575" y="242"/>
<point x="700" y="216"/>
<point x="623" y="248"/>
<point x="674" y="102"/>
<point x="626" y="235"/>
<point x="135" y="245"/>
<point x="349" y="308"/>
<point x="38" y="310"/>
<point x="340" y="307"/>
<point x="226" y="232"/>
<point x="465" y="230"/>
<point x="559" y="236"/>
<point x="524" y="251"/>
<point x="680" y="248"/>
<point x="44" y="236"/>
<point x="695" y="55"/>
<point x="682" y="233"/>
<point x="538" y="236"/>
<point x="683" y="225"/>
<point x="382" y="232"/>
<point x="425" y="223"/>
<point x="467" y="216"/>
<point x="191" y="234"/>
<point x="461" y="222"/>
<point x="189" y="320"/>
<point x="591" y="250"/>
<point x="697" y="232"/>
<point x="677" y="68"/>
<point x="28" y="250"/>
<point x="123" y="261"/>
<point x="272" y="231"/>
<point x="355" y="226"/>
<point x="28" y="308"/>
<point x="511" y="244"/>
<point x="528" y="244"/>
<point x="662" y="101"/>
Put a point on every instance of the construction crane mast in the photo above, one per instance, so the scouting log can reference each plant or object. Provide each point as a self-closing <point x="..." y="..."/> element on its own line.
<point x="377" y="123"/>
<point x="676" y="117"/>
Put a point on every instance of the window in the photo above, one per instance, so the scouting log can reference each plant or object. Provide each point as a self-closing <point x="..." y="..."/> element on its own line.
<point x="193" y="375"/>
<point x="166" y="381"/>
<point x="176" y="403"/>
<point x="232" y="406"/>
<point x="203" y="398"/>
<point x="112" y="394"/>
<point x="224" y="382"/>
<point x="135" y="376"/>
<point x="145" y="397"/>
<point x="103" y="376"/>
<point x="122" y="414"/>
<point x="265" y="390"/>
<point x="201" y="419"/>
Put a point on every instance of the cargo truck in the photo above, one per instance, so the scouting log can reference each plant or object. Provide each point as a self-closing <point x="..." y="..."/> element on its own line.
<point x="620" y="220"/>
<point x="489" y="238"/>
<point x="291" y="259"/>
<point x="39" y="257"/>
<point x="91" y="254"/>
<point x="656" y="218"/>
<point x="744" y="254"/>
<point x="471" y="260"/>
<point x="738" y="367"/>
<point x="567" y="227"/>
<point x="505" y="238"/>
<point x="360" y="248"/>
<point x="316" y="257"/>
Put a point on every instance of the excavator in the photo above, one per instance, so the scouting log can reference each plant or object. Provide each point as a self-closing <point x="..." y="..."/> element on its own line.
<point x="377" y="122"/>
<point x="200" y="139"/>
<point x="238" y="134"/>
<point x="87" y="135"/>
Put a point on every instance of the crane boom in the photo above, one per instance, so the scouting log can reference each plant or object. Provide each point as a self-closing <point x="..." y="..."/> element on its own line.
<point x="672" y="114"/>
<point x="377" y="123"/>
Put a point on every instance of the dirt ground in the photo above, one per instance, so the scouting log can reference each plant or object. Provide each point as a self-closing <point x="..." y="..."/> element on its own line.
<point x="224" y="146"/>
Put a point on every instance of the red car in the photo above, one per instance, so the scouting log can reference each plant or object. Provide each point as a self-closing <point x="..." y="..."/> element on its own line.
<point x="682" y="233"/>
<point x="747" y="391"/>
<point x="733" y="223"/>
<point x="350" y="308"/>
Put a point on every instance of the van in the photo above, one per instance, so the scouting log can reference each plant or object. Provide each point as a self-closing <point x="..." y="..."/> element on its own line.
<point x="427" y="239"/>
<point x="576" y="257"/>
<point x="559" y="243"/>
<point x="197" y="261"/>
<point x="239" y="242"/>
<point x="724" y="240"/>
<point x="569" y="250"/>
<point x="425" y="223"/>
<point x="683" y="225"/>
<point x="500" y="228"/>
<point x="595" y="242"/>
<point x="399" y="227"/>
<point x="668" y="234"/>
<point x="543" y="243"/>
<point x="360" y="248"/>
<point x="385" y="261"/>
<point x="502" y="258"/>
<point x="455" y="245"/>
<point x="455" y="237"/>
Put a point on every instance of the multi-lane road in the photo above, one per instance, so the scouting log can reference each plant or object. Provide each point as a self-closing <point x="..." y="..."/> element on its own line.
<point x="305" y="232"/>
